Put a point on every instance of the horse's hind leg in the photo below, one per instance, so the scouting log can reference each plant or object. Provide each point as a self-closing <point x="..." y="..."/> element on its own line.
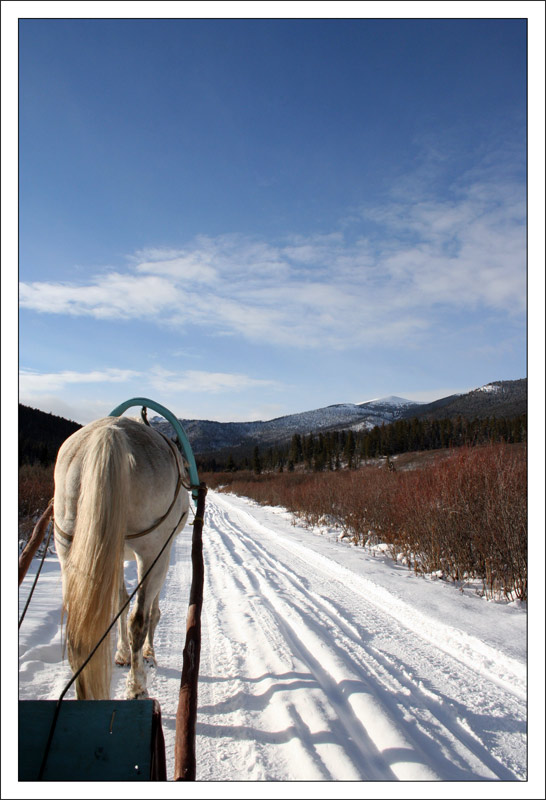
<point x="139" y="623"/>
<point x="148" y="650"/>
<point x="123" y="651"/>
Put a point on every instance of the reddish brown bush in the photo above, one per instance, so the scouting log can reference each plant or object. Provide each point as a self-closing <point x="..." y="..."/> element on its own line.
<point x="35" y="492"/>
<point x="465" y="515"/>
<point x="468" y="516"/>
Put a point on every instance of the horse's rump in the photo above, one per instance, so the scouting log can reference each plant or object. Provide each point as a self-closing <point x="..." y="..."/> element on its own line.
<point x="117" y="483"/>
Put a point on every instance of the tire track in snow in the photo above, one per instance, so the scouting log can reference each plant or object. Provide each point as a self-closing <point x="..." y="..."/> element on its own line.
<point x="376" y="688"/>
<point x="511" y="674"/>
<point x="448" y="716"/>
<point x="360" y="697"/>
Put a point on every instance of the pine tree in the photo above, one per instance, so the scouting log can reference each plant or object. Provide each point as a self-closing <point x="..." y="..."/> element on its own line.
<point x="349" y="450"/>
<point x="308" y="450"/>
<point x="296" y="449"/>
<point x="256" y="461"/>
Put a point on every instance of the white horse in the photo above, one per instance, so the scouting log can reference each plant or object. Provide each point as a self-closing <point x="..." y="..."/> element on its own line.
<point x="120" y="492"/>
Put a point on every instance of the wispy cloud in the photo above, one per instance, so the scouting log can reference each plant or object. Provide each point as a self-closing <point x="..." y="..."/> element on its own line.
<point x="111" y="296"/>
<point x="32" y="382"/>
<point x="386" y="281"/>
<point x="207" y="382"/>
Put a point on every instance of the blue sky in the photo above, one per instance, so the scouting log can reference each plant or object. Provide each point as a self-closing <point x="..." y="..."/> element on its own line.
<point x="248" y="218"/>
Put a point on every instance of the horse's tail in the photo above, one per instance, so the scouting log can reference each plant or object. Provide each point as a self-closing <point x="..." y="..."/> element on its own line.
<point x="91" y="592"/>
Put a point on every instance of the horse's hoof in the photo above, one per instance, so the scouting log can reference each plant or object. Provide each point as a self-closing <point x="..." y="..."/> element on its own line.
<point x="142" y="695"/>
<point x="122" y="662"/>
<point x="136" y="689"/>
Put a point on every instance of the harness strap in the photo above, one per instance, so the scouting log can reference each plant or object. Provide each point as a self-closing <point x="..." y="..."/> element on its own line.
<point x="176" y="493"/>
<point x="179" y="484"/>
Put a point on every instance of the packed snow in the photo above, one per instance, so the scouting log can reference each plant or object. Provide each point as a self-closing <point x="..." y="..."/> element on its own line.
<point x="320" y="661"/>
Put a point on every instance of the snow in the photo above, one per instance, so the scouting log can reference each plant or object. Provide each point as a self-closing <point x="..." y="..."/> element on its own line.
<point x="391" y="400"/>
<point x="320" y="661"/>
<point x="490" y="388"/>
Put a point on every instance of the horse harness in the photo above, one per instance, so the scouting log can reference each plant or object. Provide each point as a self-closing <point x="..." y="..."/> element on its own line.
<point x="179" y="484"/>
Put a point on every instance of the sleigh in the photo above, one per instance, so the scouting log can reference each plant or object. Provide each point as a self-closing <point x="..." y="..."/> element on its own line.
<point x="95" y="740"/>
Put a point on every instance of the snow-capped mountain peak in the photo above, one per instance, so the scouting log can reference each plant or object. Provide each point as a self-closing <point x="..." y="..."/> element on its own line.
<point x="390" y="400"/>
<point x="490" y="388"/>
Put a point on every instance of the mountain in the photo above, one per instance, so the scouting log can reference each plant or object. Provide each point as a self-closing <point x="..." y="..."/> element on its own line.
<point x="497" y="399"/>
<point x="388" y="409"/>
<point x="206" y="436"/>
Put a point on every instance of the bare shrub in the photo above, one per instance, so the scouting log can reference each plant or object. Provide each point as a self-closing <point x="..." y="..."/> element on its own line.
<point x="462" y="516"/>
<point x="35" y="492"/>
<point x="467" y="517"/>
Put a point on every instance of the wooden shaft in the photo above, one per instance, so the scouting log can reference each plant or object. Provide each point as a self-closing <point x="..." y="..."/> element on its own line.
<point x="34" y="542"/>
<point x="186" y="715"/>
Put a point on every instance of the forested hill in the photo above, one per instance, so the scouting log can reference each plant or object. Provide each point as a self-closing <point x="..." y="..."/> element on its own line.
<point x="41" y="435"/>
<point x="497" y="399"/>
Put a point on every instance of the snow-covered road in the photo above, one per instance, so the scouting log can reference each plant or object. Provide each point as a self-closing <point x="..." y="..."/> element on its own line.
<point x="319" y="661"/>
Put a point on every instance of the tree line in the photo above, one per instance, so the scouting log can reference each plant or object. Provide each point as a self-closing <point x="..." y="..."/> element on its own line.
<point x="41" y="435"/>
<point x="334" y="450"/>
